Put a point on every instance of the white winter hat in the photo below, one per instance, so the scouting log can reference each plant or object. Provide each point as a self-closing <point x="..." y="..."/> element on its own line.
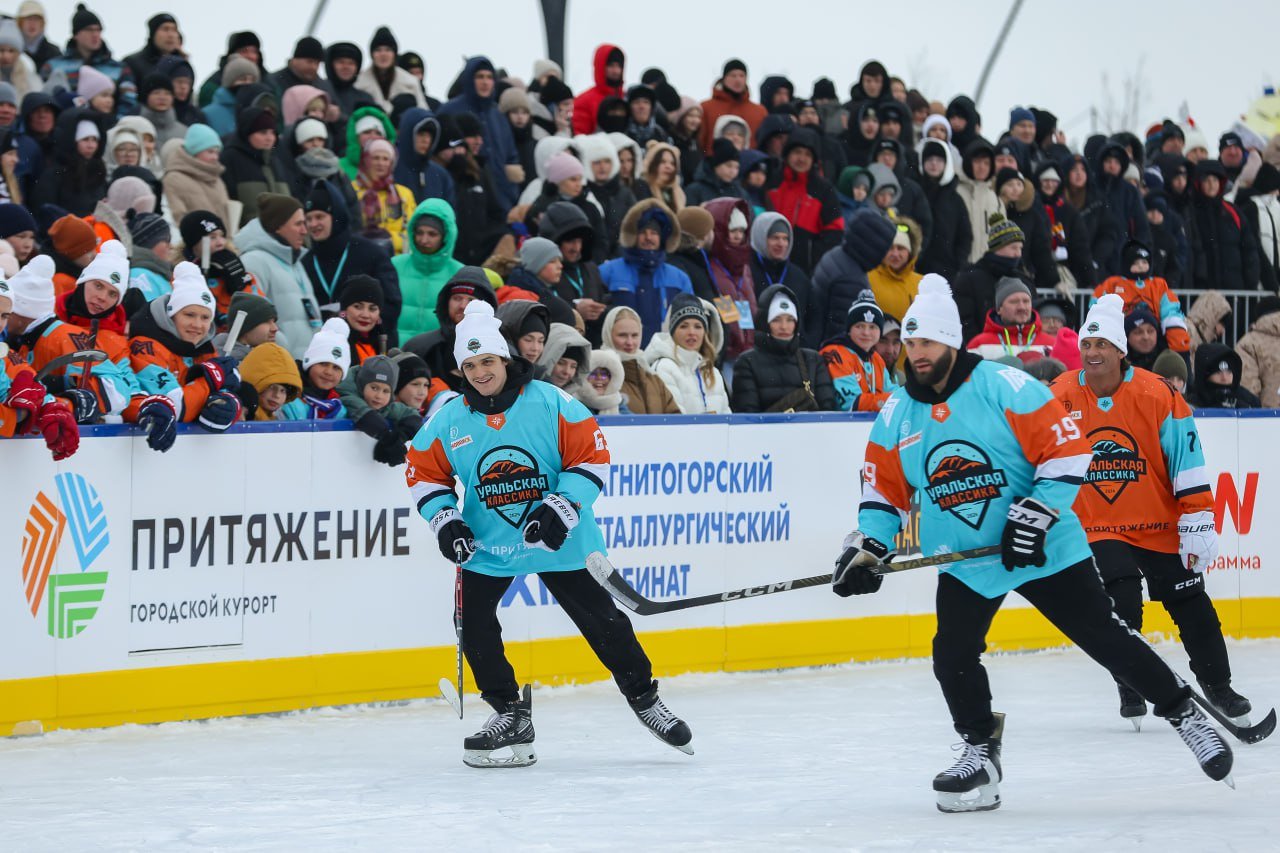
<point x="782" y="304"/>
<point x="330" y="346"/>
<point x="32" y="288"/>
<point x="370" y="123"/>
<point x="479" y="333"/>
<point x="86" y="129"/>
<point x="1106" y="321"/>
<point x="110" y="265"/>
<point x="933" y="315"/>
<point x="190" y="288"/>
<point x="310" y="128"/>
<point x="737" y="220"/>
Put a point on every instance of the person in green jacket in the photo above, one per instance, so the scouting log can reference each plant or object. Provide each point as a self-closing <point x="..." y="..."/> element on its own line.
<point x="427" y="267"/>
<point x="364" y="120"/>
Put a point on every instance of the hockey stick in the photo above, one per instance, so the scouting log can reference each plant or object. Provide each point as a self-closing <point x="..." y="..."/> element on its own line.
<point x="1246" y="734"/>
<point x="93" y="345"/>
<point x="234" y="334"/>
<point x="612" y="580"/>
<point x="452" y="695"/>
<point x="87" y="357"/>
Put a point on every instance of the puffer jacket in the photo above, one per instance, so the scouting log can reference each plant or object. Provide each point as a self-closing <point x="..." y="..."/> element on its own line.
<point x="842" y="273"/>
<point x="771" y="370"/>
<point x="423" y="276"/>
<point x="422" y="175"/>
<point x="681" y="369"/>
<point x="278" y="269"/>
<point x="1259" y="353"/>
<point x="1205" y="314"/>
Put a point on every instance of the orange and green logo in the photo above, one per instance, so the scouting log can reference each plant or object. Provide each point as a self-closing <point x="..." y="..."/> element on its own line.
<point x="67" y="589"/>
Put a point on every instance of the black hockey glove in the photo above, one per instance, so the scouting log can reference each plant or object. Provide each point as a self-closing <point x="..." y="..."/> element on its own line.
<point x="1025" y="529"/>
<point x="220" y="411"/>
<point x="853" y="574"/>
<point x="550" y="522"/>
<point x="457" y="542"/>
<point x="226" y="265"/>
<point x="390" y="449"/>
<point x="84" y="404"/>
<point x="158" y="418"/>
<point x="373" y="425"/>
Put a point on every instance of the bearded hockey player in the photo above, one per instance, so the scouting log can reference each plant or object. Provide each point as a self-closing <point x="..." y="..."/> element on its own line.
<point x="995" y="462"/>
<point x="1145" y="504"/>
<point x="531" y="461"/>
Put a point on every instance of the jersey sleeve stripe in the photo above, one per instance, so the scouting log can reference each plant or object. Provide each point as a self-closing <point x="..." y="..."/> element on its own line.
<point x="595" y="472"/>
<point x="1067" y="469"/>
<point x="1190" y="481"/>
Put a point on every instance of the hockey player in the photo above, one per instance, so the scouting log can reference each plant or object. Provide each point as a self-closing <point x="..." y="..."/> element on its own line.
<point x="995" y="461"/>
<point x="531" y="461"/>
<point x="1145" y="504"/>
<point x="861" y="380"/>
<point x="1154" y="292"/>
<point x="25" y="404"/>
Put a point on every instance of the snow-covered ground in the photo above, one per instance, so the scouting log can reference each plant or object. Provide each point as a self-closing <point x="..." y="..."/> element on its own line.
<point x="836" y="759"/>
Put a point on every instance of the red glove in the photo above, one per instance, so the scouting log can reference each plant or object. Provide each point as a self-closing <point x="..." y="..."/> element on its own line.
<point x="58" y="426"/>
<point x="26" y="395"/>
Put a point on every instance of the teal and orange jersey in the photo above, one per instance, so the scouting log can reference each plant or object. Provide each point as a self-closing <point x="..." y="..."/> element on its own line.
<point x="162" y="371"/>
<point x="111" y="381"/>
<point x="862" y="383"/>
<point x="999" y="436"/>
<point x="1148" y="466"/>
<point x="507" y="463"/>
<point x="9" y="426"/>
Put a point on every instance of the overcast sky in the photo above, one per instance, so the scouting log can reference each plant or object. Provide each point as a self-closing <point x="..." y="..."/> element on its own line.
<point x="1055" y="57"/>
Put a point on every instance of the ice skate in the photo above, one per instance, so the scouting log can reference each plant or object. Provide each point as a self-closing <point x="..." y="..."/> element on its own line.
<point x="510" y="728"/>
<point x="1210" y="750"/>
<point x="661" y="723"/>
<point x="1132" y="706"/>
<point x="972" y="784"/>
<point x="1232" y="705"/>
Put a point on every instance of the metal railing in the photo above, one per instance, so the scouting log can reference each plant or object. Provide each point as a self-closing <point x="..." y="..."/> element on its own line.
<point x="1243" y="303"/>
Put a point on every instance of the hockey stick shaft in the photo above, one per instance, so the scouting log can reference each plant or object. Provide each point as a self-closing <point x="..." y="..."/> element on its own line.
<point x="234" y="334"/>
<point x="612" y="580"/>
<point x="87" y="357"/>
<point x="93" y="345"/>
<point x="454" y="695"/>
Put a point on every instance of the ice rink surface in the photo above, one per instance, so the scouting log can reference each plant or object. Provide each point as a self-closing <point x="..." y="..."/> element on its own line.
<point x="837" y="758"/>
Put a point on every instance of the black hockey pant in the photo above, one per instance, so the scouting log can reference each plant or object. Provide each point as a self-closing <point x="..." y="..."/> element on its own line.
<point x="1075" y="602"/>
<point x="1182" y="593"/>
<point x="606" y="629"/>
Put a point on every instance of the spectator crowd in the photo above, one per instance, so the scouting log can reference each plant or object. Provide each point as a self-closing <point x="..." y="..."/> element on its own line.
<point x="300" y="242"/>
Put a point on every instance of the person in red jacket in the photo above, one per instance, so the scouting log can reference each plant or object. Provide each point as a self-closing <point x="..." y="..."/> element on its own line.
<point x="807" y="200"/>
<point x="730" y="96"/>
<point x="607" y="65"/>
<point x="1013" y="326"/>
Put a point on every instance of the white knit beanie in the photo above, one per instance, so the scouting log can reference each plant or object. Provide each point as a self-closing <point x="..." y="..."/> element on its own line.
<point x="32" y="288"/>
<point x="110" y="265"/>
<point x="933" y="315"/>
<point x="330" y="346"/>
<point x="310" y="128"/>
<point x="479" y="333"/>
<point x="782" y="303"/>
<point x="190" y="288"/>
<point x="1106" y="321"/>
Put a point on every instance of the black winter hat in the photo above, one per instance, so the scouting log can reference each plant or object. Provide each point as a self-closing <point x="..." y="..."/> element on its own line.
<point x="1006" y="175"/>
<point x="346" y="50"/>
<point x="147" y="229"/>
<point x="382" y="37"/>
<point x="319" y="199"/>
<point x="360" y="288"/>
<point x="1229" y="139"/>
<point x="803" y="137"/>
<point x="640" y="93"/>
<point x="734" y="65"/>
<point x="158" y="21"/>
<point x="151" y="83"/>
<point x="894" y="111"/>
<point x="554" y="91"/>
<point x="1134" y="250"/>
<point x="535" y="321"/>
<point x="14" y="219"/>
<point x="197" y="225"/>
<point x="653" y="76"/>
<point x="1138" y="315"/>
<point x="684" y="307"/>
<point x="83" y="19"/>
<point x="410" y="60"/>
<point x="886" y="145"/>
<point x="722" y="151"/>
<point x="824" y="90"/>
<point x="308" y="48"/>
<point x="468" y="125"/>
<point x="411" y="367"/>
<point x="241" y="40"/>
<point x="1266" y="305"/>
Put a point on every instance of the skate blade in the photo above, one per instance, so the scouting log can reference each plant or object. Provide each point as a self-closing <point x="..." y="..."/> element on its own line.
<point x="1231" y="783"/>
<point x="984" y="798"/>
<point x="522" y="755"/>
<point x="687" y="749"/>
<point x="1137" y="723"/>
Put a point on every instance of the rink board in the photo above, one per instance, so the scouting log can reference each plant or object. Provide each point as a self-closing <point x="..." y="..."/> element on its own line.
<point x="278" y="567"/>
